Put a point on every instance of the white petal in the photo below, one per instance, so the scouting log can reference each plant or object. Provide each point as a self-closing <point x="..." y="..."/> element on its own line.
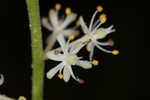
<point x="46" y="24"/>
<point x="91" y="53"/>
<point x="1" y="79"/>
<point x="50" y="74"/>
<point x="81" y="40"/>
<point x="109" y="29"/>
<point x="70" y="18"/>
<point x="66" y="74"/>
<point x="71" y="72"/>
<point x="53" y="18"/>
<point x="78" y="47"/>
<point x="51" y="55"/>
<point x="83" y="25"/>
<point x="89" y="46"/>
<point x="84" y="64"/>
<point x="68" y="32"/>
<point x="61" y="41"/>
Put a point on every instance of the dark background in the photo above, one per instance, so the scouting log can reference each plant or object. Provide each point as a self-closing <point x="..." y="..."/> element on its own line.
<point x="116" y="78"/>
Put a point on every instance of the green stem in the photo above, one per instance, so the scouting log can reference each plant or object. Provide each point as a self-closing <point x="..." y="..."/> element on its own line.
<point x="37" y="49"/>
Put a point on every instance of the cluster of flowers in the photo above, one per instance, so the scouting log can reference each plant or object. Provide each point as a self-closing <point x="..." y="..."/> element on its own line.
<point x="67" y="53"/>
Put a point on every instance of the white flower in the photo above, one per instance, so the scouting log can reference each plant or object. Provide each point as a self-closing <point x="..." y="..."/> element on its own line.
<point x="68" y="59"/>
<point x="1" y="79"/>
<point x="94" y="33"/>
<point x="59" y="25"/>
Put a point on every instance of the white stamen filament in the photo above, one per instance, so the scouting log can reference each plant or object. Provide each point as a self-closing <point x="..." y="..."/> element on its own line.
<point x="103" y="49"/>
<point x="92" y="20"/>
<point x="103" y="43"/>
<point x="95" y="24"/>
<point x="93" y="31"/>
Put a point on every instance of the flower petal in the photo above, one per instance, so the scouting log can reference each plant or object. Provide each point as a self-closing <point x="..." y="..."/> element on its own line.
<point x="61" y="41"/>
<point x="56" y="57"/>
<point x="70" y="18"/>
<point x="50" y="74"/>
<point x="110" y="29"/>
<point x="89" y="46"/>
<point x="68" y="32"/>
<point x="84" y="64"/>
<point x="54" y="18"/>
<point x="46" y="24"/>
<point x="71" y="72"/>
<point x="91" y="53"/>
<point x="83" y="25"/>
<point x="1" y="79"/>
<point x="66" y="74"/>
<point x="77" y="47"/>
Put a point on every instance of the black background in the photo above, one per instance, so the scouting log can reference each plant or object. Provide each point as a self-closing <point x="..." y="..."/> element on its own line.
<point x="116" y="78"/>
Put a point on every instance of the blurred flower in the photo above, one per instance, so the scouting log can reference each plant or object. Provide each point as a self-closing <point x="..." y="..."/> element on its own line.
<point x="68" y="58"/>
<point x="94" y="33"/>
<point x="1" y="79"/>
<point x="59" y="25"/>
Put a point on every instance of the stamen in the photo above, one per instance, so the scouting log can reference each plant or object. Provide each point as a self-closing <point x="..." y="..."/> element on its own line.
<point x="115" y="52"/>
<point x="58" y="6"/>
<point x="60" y="76"/>
<point x="68" y="10"/>
<point x="92" y="20"/>
<point x="111" y="42"/>
<point x="99" y="8"/>
<point x="22" y="98"/>
<point x="78" y="22"/>
<point x="56" y="52"/>
<point x="95" y="62"/>
<point x="89" y="41"/>
<point x="103" y="18"/>
<point x="71" y="37"/>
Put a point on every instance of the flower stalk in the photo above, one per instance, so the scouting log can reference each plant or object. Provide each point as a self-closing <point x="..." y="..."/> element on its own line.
<point x="37" y="49"/>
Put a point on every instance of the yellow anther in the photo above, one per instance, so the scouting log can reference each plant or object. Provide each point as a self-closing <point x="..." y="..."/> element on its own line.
<point x="78" y="23"/>
<point x="103" y="18"/>
<point x="56" y="52"/>
<point x="60" y="76"/>
<point x="68" y="10"/>
<point x="58" y="6"/>
<point x="115" y="52"/>
<point x="89" y="40"/>
<point x="99" y="8"/>
<point x="22" y="98"/>
<point x="95" y="62"/>
<point x="71" y="37"/>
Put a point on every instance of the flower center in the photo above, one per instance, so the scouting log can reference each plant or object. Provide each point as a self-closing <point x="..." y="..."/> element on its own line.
<point x="71" y="59"/>
<point x="100" y="33"/>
